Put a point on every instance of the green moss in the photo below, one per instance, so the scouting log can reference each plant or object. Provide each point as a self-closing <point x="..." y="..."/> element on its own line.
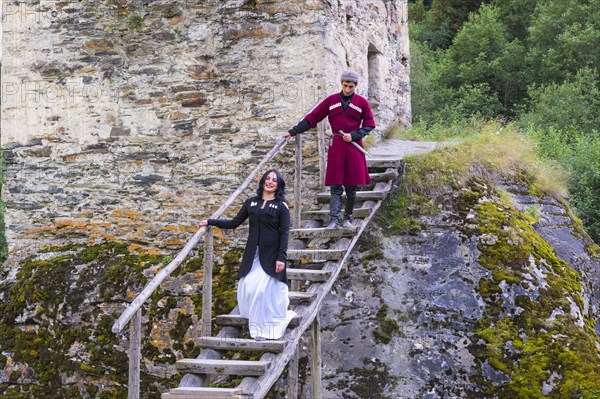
<point x="229" y="383"/>
<point x="224" y="282"/>
<point x="48" y="292"/>
<point x="182" y="323"/>
<point x="509" y="247"/>
<point x="372" y="255"/>
<point x="192" y="264"/>
<point x="386" y="327"/>
<point x="371" y="381"/>
<point x="61" y="248"/>
<point x="135" y="21"/>
<point x="401" y="213"/>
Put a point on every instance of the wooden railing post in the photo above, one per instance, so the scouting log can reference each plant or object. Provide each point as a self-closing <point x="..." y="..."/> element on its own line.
<point x="315" y="352"/>
<point x="135" y="338"/>
<point x="298" y="184"/>
<point x="292" y="388"/>
<point x="207" y="290"/>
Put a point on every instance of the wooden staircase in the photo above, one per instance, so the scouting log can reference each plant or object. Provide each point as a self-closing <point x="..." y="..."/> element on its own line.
<point x="316" y="257"/>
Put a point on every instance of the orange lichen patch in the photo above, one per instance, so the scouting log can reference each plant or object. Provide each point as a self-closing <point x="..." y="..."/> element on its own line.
<point x="117" y="212"/>
<point x="43" y="229"/>
<point x="131" y="214"/>
<point x="109" y="237"/>
<point x="160" y="344"/>
<point x="175" y="241"/>
<point x="218" y="233"/>
<point x="85" y="213"/>
<point x="159" y="335"/>
<point x="71" y="223"/>
<point x="131" y="295"/>
<point x="150" y="251"/>
<point x="134" y="247"/>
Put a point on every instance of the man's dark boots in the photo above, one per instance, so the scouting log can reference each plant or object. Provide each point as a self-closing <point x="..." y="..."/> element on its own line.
<point x="350" y="201"/>
<point x="335" y="207"/>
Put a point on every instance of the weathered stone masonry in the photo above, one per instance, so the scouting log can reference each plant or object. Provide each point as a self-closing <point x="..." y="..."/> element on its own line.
<point x="133" y="119"/>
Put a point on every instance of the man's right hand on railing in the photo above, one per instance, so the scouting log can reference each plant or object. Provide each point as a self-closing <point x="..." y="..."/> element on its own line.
<point x="203" y="223"/>
<point x="287" y="135"/>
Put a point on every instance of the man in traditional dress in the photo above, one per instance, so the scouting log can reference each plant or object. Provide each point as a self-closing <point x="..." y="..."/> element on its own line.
<point x="351" y="119"/>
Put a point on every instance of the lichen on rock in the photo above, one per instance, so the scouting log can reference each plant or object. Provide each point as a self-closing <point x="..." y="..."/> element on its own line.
<point x="57" y="310"/>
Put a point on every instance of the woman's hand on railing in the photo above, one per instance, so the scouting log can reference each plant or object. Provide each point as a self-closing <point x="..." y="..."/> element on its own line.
<point x="203" y="223"/>
<point x="287" y="135"/>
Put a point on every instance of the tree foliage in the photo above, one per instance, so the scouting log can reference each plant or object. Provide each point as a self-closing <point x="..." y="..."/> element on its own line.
<point x="569" y="106"/>
<point x="563" y="39"/>
<point x="483" y="54"/>
<point x="534" y="62"/>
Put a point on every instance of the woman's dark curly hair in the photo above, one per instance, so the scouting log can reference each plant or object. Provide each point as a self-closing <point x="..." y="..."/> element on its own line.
<point x="280" y="192"/>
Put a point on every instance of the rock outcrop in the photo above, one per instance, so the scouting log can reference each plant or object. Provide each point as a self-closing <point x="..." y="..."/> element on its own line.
<point x="492" y="292"/>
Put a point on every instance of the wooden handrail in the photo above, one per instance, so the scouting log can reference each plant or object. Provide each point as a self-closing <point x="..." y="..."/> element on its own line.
<point x="137" y="303"/>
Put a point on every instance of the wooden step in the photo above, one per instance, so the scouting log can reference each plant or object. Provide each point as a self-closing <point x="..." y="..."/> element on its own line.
<point x="241" y="344"/>
<point x="358" y="213"/>
<point x="322" y="232"/>
<point x="380" y="162"/>
<point x="306" y="265"/>
<point x="316" y="254"/>
<point x="360" y="196"/>
<point x="203" y="393"/>
<point x="297" y="298"/>
<point x="383" y="176"/>
<point x="222" y="367"/>
<point x="307" y="274"/>
<point x="235" y="320"/>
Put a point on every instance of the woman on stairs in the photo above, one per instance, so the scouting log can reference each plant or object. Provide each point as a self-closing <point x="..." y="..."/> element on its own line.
<point x="262" y="293"/>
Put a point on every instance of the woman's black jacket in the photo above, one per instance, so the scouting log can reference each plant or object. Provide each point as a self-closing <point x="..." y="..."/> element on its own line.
<point x="269" y="230"/>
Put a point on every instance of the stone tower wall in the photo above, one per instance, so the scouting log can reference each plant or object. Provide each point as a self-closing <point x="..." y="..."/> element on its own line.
<point x="134" y="119"/>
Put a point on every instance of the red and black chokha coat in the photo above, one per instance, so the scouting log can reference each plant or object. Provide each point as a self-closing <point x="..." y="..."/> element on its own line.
<point x="345" y="163"/>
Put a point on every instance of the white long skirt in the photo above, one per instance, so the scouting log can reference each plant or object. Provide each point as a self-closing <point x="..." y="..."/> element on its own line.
<point x="264" y="301"/>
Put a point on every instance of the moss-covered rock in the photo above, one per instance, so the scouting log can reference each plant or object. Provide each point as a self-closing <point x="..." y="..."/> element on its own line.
<point x="496" y="278"/>
<point x="57" y="309"/>
<point x="539" y="338"/>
